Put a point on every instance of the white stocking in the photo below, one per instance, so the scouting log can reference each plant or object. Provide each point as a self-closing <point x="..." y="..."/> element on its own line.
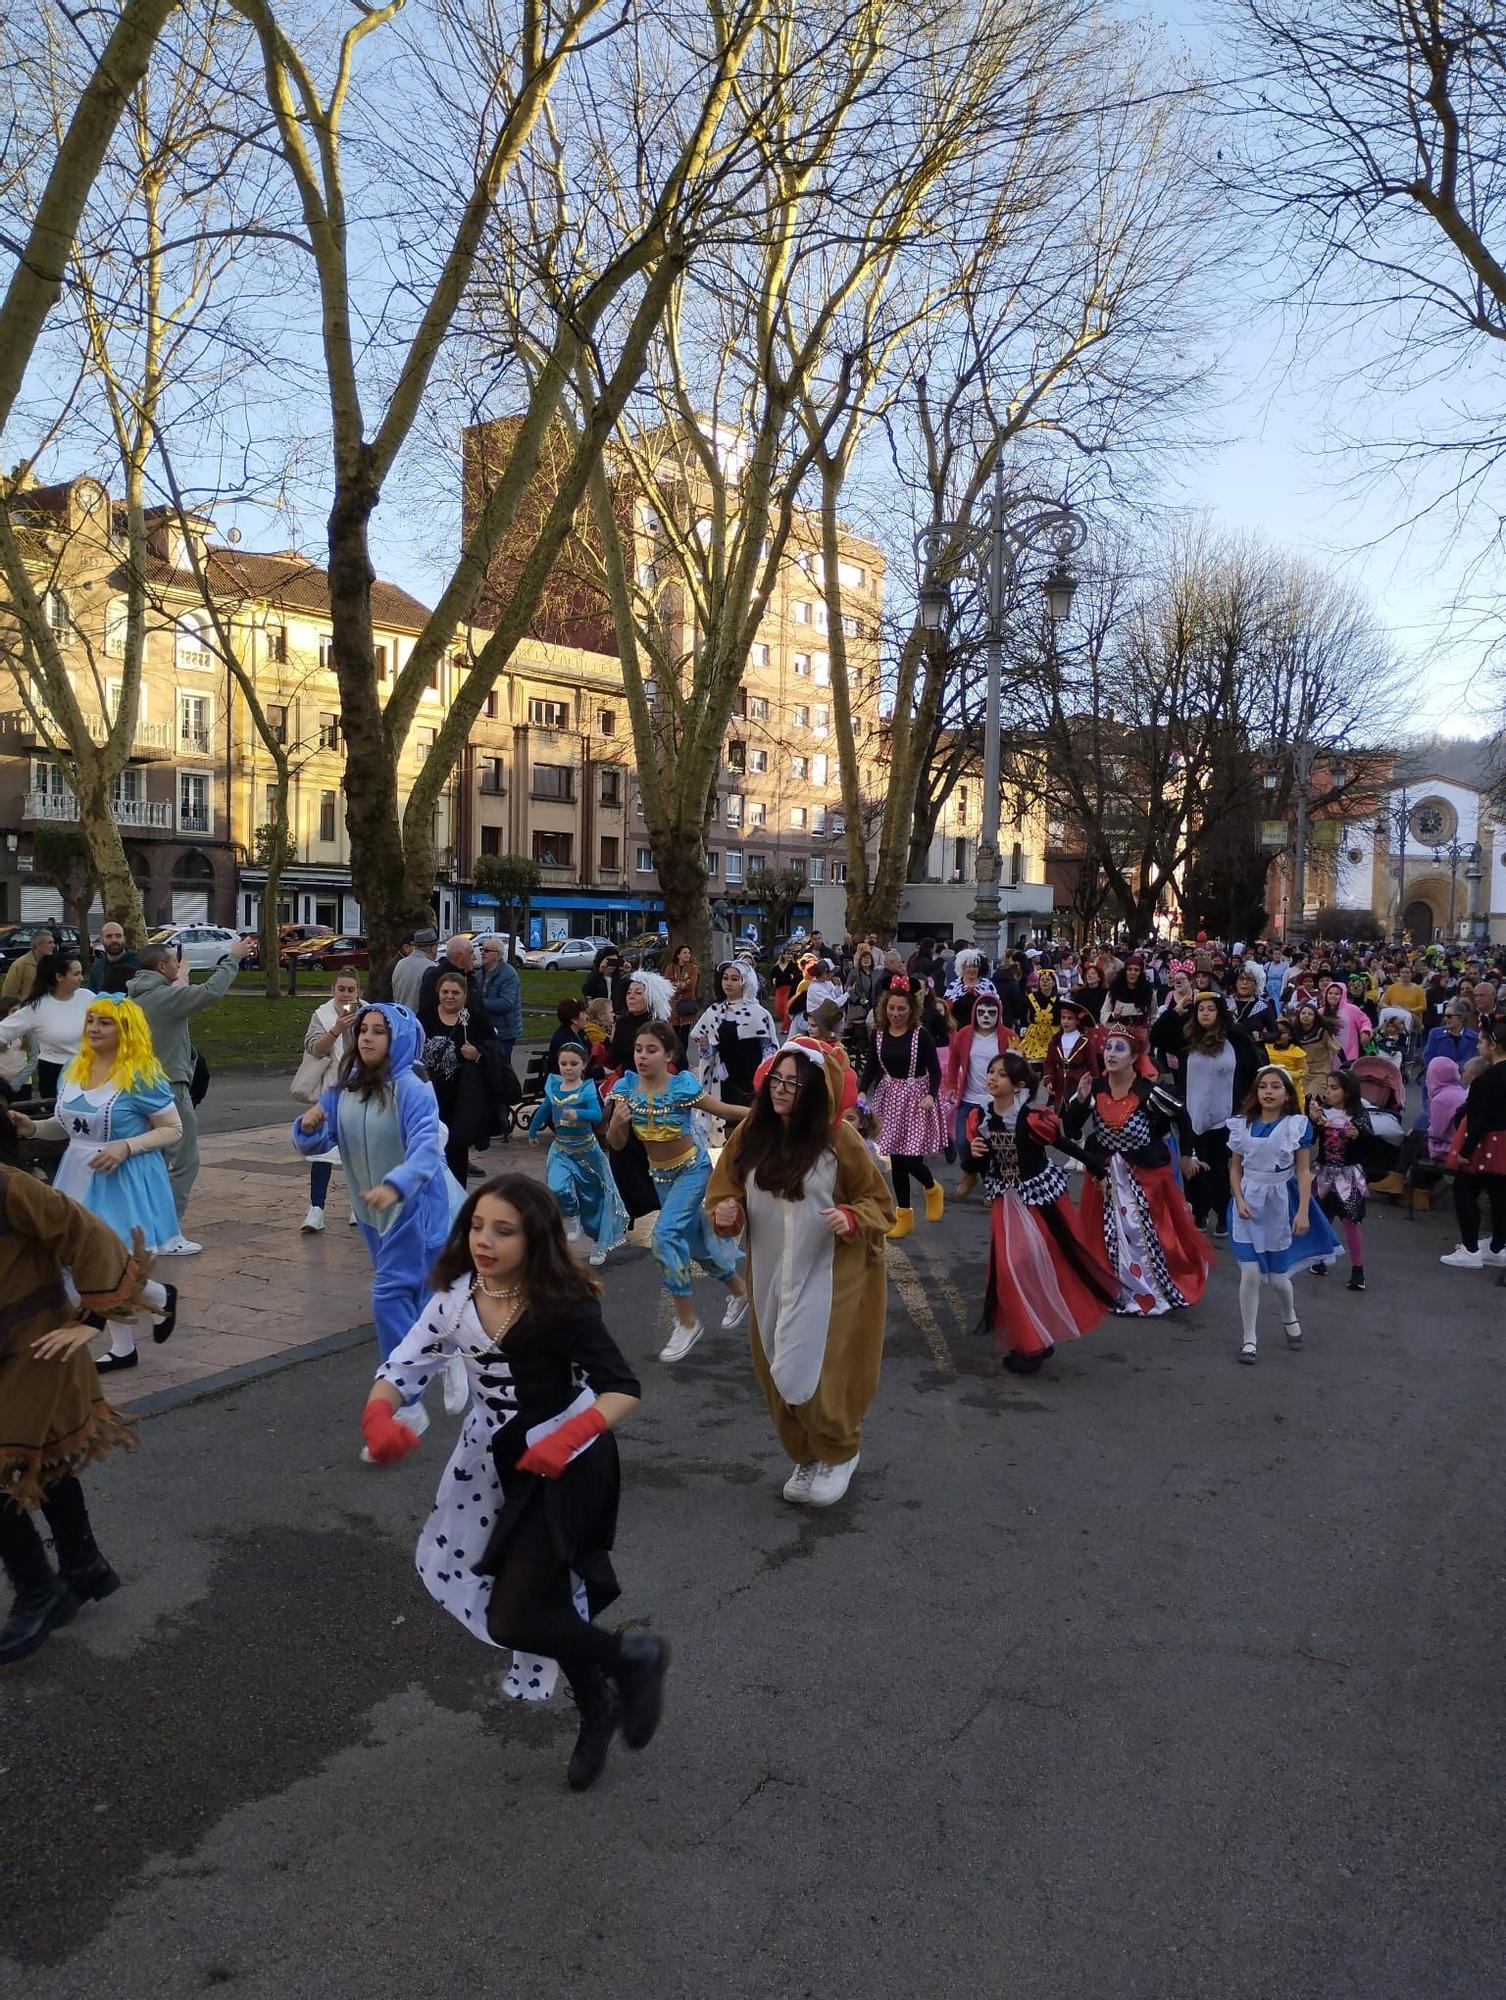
<point x="1286" y="1298"/>
<point x="155" y="1295"/>
<point x="122" y="1339"/>
<point x="1249" y="1298"/>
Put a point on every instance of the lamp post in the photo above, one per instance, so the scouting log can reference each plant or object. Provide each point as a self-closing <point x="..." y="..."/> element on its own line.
<point x="991" y="547"/>
<point x="1456" y="853"/>
<point x="1303" y="756"/>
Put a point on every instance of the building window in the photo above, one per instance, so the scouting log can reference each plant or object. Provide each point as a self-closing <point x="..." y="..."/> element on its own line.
<point x="800" y="767"/>
<point x="713" y="862"/>
<point x="638" y="812"/>
<point x="277" y="645"/>
<point x="434" y="674"/>
<point x="734" y="873"/>
<point x="650" y="692"/>
<point x="757" y="812"/>
<point x="549" y="714"/>
<point x="852" y="575"/>
<point x="327" y="651"/>
<point x="714" y="811"/>
<point x="127" y="788"/>
<point x="491" y="705"/>
<point x="849" y="627"/>
<point x="611" y="852"/>
<point x="269" y="808"/>
<point x="553" y="850"/>
<point x="820" y="617"/>
<point x="758" y="760"/>
<point x="55" y="609"/>
<point x="803" y="665"/>
<point x="329" y="731"/>
<point x="194" y="723"/>
<point x="802" y="717"/>
<point x="189" y="649"/>
<point x="554" y="781"/>
<point x="758" y="708"/>
<point x="491" y="840"/>
<point x="734" y="808"/>
<point x="379" y="653"/>
<point x="277" y="721"/>
<point x="737" y="757"/>
<point x="611" y="787"/>
<point x="797" y="863"/>
<point x="802" y="612"/>
<point x="740" y="703"/>
<point x="758" y="655"/>
<point x="115" y="630"/>
<point x="818" y="870"/>
<point x="820" y="720"/>
<point x="756" y="863"/>
<point x="821" y="669"/>
<point x="326" y="816"/>
<point x="820" y="770"/>
<point x="643" y="861"/>
<point x="423" y="745"/>
<point x="193" y="802"/>
<point x="797" y="818"/>
<point x="491" y="776"/>
<point x="607" y="721"/>
<point x="838" y="873"/>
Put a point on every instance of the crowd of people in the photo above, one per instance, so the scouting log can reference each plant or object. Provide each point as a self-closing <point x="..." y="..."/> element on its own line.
<point x="1116" y="1117"/>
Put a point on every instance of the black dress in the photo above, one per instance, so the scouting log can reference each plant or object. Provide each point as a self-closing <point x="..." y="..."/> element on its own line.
<point x="630" y="1165"/>
<point x="460" y="1087"/>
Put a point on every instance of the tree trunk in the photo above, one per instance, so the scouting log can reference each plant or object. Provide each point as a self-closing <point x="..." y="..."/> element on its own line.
<point x="117" y="886"/>
<point x="682" y="880"/>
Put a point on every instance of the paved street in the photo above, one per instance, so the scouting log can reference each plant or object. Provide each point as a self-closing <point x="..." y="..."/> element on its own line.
<point x="1152" y="1678"/>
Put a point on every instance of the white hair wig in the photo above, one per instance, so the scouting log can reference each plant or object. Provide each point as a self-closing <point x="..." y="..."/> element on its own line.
<point x="969" y="957"/>
<point x="660" y="991"/>
<point x="752" y="984"/>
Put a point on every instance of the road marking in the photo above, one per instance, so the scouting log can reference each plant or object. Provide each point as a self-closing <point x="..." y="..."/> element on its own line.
<point x="919" y="1308"/>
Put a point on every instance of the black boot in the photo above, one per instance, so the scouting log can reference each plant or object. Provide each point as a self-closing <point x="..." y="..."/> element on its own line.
<point x="641" y="1667"/>
<point x="162" y="1329"/>
<point x="600" y="1713"/>
<point x="42" y="1599"/>
<point x="88" y="1575"/>
<point x="1356" y="1279"/>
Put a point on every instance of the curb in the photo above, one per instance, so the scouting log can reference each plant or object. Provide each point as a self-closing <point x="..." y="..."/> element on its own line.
<point x="160" y="1401"/>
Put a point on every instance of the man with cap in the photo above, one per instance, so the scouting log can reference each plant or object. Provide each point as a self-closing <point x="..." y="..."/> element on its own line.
<point x="409" y="972"/>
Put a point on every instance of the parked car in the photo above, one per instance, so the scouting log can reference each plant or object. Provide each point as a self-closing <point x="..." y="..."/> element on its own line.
<point x="294" y="939"/>
<point x="567" y="954"/>
<point x="17" y="939"/>
<point x="336" y="954"/>
<point x="647" y="949"/>
<point x="202" y="945"/>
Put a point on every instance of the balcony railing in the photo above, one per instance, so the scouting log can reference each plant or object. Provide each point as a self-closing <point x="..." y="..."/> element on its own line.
<point x="147" y="737"/>
<point x="193" y="741"/>
<point x="127" y="812"/>
<point x="198" y="657"/>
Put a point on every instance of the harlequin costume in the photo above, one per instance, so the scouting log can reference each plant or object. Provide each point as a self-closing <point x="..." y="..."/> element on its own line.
<point x="1047" y="1279"/>
<point x="682" y="1236"/>
<point x="817" y="1300"/>
<point x="579" y="1175"/>
<point x="1139" y="1211"/>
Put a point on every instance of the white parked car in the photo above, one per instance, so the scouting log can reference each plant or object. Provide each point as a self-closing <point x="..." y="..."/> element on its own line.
<point x="567" y="954"/>
<point x="203" y="945"/>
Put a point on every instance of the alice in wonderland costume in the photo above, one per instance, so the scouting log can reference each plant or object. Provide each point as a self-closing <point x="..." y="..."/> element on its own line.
<point x="1267" y="1151"/>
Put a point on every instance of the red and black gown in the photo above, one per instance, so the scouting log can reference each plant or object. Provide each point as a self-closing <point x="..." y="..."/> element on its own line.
<point x="1047" y="1279"/>
<point x="1133" y="1202"/>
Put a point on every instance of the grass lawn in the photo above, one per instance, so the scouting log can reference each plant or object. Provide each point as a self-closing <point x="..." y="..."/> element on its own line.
<point x="246" y="1030"/>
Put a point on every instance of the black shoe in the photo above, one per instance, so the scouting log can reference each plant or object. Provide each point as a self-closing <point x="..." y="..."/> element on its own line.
<point x="33" y="1616"/>
<point x="641" y="1667"/>
<point x="1356" y="1279"/>
<point x="107" y="1363"/>
<point x="1022" y="1364"/>
<point x="162" y="1328"/>
<point x="1320" y="1270"/>
<point x="598" y="1725"/>
<point x="95" y="1581"/>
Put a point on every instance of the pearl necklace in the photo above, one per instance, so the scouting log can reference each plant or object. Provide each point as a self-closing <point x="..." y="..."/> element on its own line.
<point x="508" y="1292"/>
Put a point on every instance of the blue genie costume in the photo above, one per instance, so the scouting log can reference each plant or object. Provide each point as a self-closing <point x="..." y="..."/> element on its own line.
<point x="579" y="1173"/>
<point x="682" y="1235"/>
<point x="392" y="1136"/>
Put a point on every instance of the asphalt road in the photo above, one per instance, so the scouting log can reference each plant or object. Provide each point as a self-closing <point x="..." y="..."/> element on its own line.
<point x="1151" y="1678"/>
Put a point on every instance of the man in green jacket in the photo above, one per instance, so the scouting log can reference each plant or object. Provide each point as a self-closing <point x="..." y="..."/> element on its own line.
<point x="168" y="1009"/>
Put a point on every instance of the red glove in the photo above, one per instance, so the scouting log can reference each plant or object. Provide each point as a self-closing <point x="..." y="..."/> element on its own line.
<point x="386" y="1439"/>
<point x="552" y="1454"/>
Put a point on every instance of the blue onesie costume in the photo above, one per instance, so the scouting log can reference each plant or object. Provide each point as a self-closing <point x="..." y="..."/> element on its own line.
<point x="580" y="1174"/>
<point x="392" y="1137"/>
<point x="682" y="1237"/>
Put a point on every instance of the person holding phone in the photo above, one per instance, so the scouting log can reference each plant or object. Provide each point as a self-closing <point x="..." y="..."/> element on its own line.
<point x="328" y="1041"/>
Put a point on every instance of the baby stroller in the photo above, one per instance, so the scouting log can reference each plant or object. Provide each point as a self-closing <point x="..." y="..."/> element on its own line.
<point x="1385" y="1094"/>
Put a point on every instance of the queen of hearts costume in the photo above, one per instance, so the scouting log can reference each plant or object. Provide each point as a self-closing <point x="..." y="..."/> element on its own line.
<point x="1132" y="1200"/>
<point x="817" y="1299"/>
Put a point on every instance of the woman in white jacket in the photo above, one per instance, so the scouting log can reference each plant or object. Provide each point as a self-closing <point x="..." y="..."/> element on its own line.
<point x="52" y="1021"/>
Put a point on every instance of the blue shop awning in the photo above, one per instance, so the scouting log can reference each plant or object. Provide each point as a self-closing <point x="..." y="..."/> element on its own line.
<point x="585" y="899"/>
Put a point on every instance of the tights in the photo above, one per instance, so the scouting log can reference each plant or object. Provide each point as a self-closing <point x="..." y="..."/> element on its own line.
<point x="532" y="1610"/>
<point x="1354" y="1243"/>
<point x="1249" y="1297"/>
<point x="319" y="1177"/>
<point x="1468" y="1189"/>
<point x="903" y="1165"/>
<point x="121" y="1331"/>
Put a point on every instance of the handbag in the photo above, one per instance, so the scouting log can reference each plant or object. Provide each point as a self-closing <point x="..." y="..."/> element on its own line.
<point x="308" y="1079"/>
<point x="13" y="1060"/>
<point x="501" y="1078"/>
<point x="198" y="1083"/>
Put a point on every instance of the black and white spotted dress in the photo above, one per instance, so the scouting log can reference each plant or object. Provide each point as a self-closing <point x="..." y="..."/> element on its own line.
<point x="517" y="1397"/>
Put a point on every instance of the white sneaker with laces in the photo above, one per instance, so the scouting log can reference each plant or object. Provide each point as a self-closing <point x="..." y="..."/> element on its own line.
<point x="313" y="1222"/>
<point x="457" y="1386"/>
<point x="1461" y="1259"/>
<point x="597" y="1257"/>
<point x="681" y="1341"/>
<point x="572" y="1229"/>
<point x="831" y="1482"/>
<point x="798" y="1486"/>
<point x="737" y="1310"/>
<point x="180" y="1247"/>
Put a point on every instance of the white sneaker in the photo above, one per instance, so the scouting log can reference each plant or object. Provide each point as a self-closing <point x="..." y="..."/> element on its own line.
<point x="1492" y="1257"/>
<point x="737" y="1310"/>
<point x="355" y="1220"/>
<point x="1463" y="1260"/>
<point x="597" y="1257"/>
<point x="572" y="1229"/>
<point x="457" y="1386"/>
<point x="681" y="1341"/>
<point x="798" y="1486"/>
<point x="831" y="1482"/>
<point x="313" y="1222"/>
<point x="180" y="1247"/>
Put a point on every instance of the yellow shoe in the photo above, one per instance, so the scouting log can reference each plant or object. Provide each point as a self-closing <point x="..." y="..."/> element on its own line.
<point x="935" y="1202"/>
<point x="904" y="1222"/>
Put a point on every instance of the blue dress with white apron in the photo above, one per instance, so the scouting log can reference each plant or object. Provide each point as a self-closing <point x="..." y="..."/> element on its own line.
<point x="138" y="1194"/>
<point x="1267" y="1150"/>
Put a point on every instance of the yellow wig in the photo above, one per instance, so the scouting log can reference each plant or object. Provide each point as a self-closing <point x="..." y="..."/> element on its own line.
<point x="136" y="1066"/>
